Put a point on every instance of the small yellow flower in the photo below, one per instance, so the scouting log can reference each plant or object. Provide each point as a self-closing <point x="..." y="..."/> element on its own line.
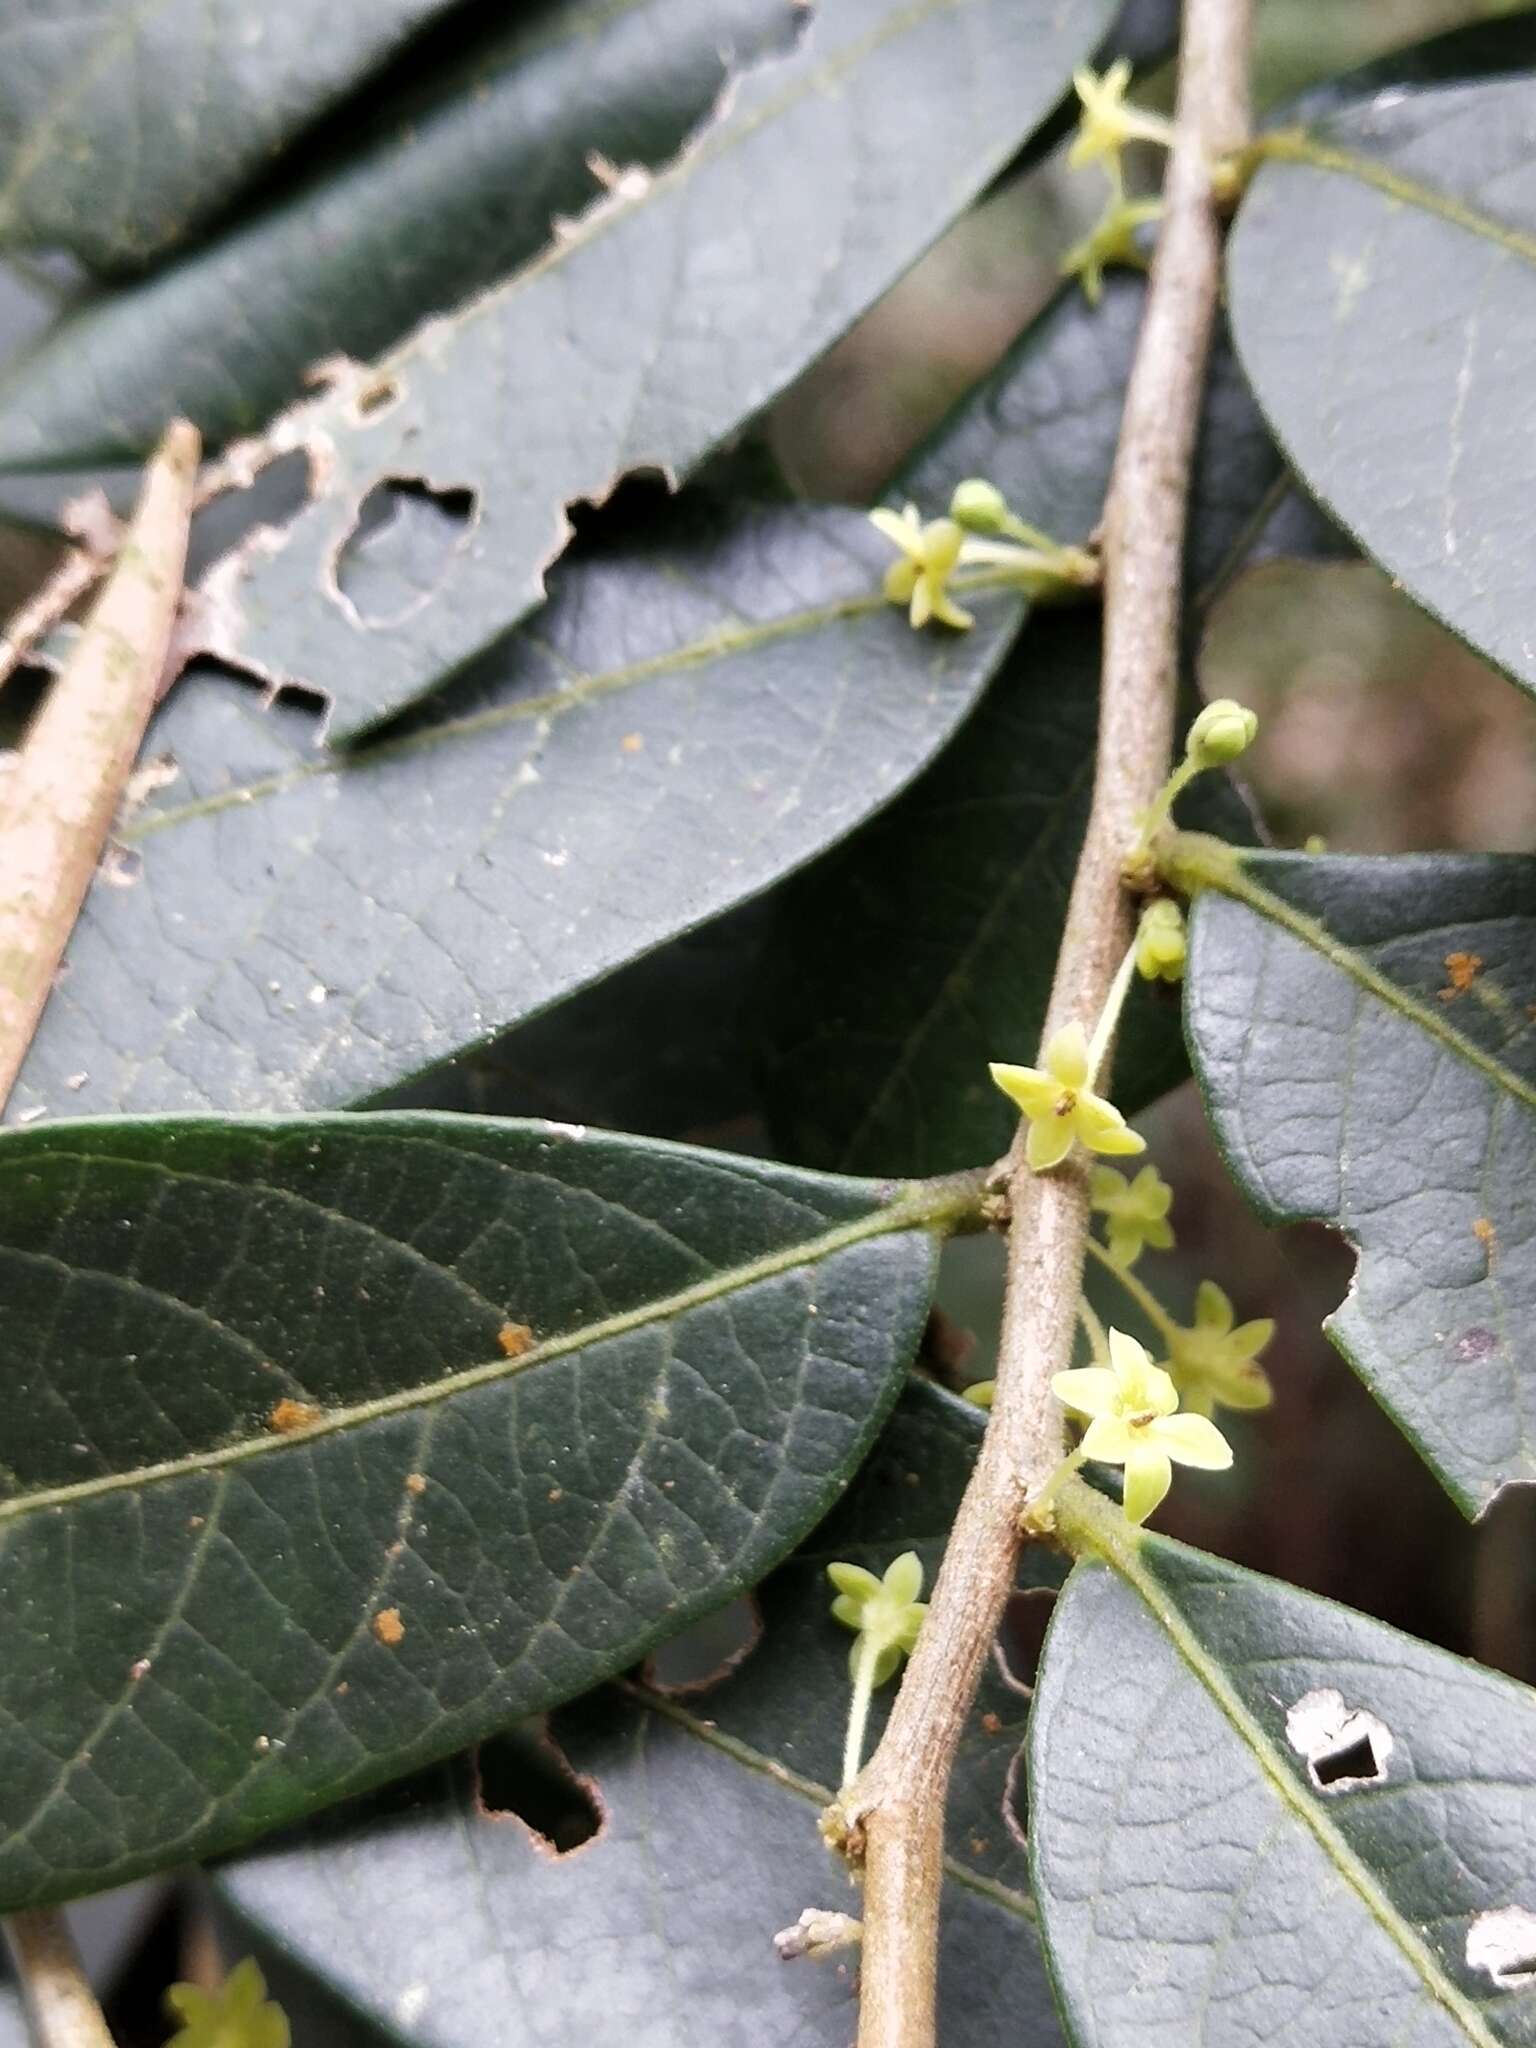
<point x="885" y="1612"/>
<point x="930" y="554"/>
<point x="1214" y="1365"/>
<point x="237" y="2015"/>
<point x="979" y="1393"/>
<point x="1161" y="944"/>
<point x="1111" y="240"/>
<point x="1137" y="1211"/>
<point x="1107" y="124"/>
<point x="1130" y="1406"/>
<point x="1061" y="1106"/>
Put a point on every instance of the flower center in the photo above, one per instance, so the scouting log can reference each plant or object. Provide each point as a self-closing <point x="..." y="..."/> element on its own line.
<point x="1067" y="1103"/>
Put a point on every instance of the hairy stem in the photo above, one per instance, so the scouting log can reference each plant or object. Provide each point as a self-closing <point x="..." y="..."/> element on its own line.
<point x="59" y="794"/>
<point x="61" y="2005"/>
<point x="892" y="1818"/>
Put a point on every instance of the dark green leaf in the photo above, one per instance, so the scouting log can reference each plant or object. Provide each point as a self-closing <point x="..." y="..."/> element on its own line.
<point x="445" y="195"/>
<point x="923" y="948"/>
<point x="351" y="1440"/>
<point x="421" y="1911"/>
<point x="122" y="125"/>
<point x="1411" y="218"/>
<point x="695" y="712"/>
<point x="642" y="339"/>
<point x="1256" y="1816"/>
<point x="1362" y="1029"/>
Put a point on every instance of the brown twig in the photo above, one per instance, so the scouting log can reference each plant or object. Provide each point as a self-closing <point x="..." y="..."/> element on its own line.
<point x="59" y="794"/>
<point x="894" y="1813"/>
<point x="60" y="2002"/>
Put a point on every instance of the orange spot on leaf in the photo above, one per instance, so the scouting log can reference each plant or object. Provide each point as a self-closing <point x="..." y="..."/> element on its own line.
<point x="515" y="1339"/>
<point x="290" y="1415"/>
<point x="388" y="1627"/>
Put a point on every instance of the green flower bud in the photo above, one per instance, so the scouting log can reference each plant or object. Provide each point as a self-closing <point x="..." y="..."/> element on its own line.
<point x="1160" y="941"/>
<point x="1223" y="730"/>
<point x="978" y="506"/>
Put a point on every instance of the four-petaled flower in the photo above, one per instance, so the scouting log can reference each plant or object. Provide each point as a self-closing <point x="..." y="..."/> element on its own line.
<point x="1111" y="240"/>
<point x="886" y="1612"/>
<point x="1215" y="1365"/>
<point x="237" y="2015"/>
<point x="1107" y="124"/>
<point x="1059" y="1101"/>
<point x="1130" y="1405"/>
<point x="1137" y="1211"/>
<point x="930" y="553"/>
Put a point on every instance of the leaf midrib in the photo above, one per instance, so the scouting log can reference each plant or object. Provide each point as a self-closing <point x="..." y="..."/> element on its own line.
<point x="1297" y="146"/>
<point x="722" y="645"/>
<point x="1122" y="1553"/>
<point x="1197" y="862"/>
<point x="808" y="1789"/>
<point x="932" y="1206"/>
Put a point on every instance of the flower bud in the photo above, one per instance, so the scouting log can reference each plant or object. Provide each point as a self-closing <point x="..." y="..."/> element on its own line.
<point x="978" y="506"/>
<point x="1223" y="730"/>
<point x="1160" y="941"/>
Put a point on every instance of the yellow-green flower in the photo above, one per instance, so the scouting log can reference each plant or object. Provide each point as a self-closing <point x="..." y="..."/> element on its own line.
<point x="1111" y="240"/>
<point x="1059" y="1101"/>
<point x="979" y="1393"/>
<point x="238" y="2015"/>
<point x="930" y="554"/>
<point x="885" y="1612"/>
<point x="1130" y="1405"/>
<point x="1214" y="1365"/>
<point x="1137" y="1211"/>
<point x="1161" y="944"/>
<point x="1107" y="124"/>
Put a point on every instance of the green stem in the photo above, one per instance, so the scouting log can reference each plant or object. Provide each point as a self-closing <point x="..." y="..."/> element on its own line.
<point x="1037" y="1514"/>
<point x="1138" y="1290"/>
<point x="1109" y="1016"/>
<point x="1098" y="1336"/>
<point x="858" y="1710"/>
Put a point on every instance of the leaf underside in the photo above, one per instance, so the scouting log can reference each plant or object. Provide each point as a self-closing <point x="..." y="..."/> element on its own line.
<point x="480" y="159"/>
<point x="645" y="336"/>
<point x="443" y="1927"/>
<point x="344" y="1443"/>
<point x="699" y="709"/>
<point x="1415" y="219"/>
<point x="1363" y="1033"/>
<point x="122" y="125"/>
<point x="1256" y="1816"/>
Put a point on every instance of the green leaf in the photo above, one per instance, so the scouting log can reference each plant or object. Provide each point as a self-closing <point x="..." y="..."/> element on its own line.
<point x="1350" y="1077"/>
<point x="1412" y="216"/>
<point x="419" y="1910"/>
<point x="923" y="948"/>
<point x="445" y="194"/>
<point x="641" y="339"/>
<point x="1256" y="1816"/>
<point x="702" y="706"/>
<point x="354" y="1439"/>
<point x="124" y="125"/>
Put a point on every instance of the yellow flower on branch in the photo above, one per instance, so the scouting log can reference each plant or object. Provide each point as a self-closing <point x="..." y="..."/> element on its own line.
<point x="1059" y="1101"/>
<point x="930" y="554"/>
<point x="885" y="1612"/>
<point x="1215" y="1365"/>
<point x="1111" y="240"/>
<point x="1107" y="123"/>
<point x="1130" y="1406"/>
<point x="238" y="2015"/>
<point x="1137" y="1212"/>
